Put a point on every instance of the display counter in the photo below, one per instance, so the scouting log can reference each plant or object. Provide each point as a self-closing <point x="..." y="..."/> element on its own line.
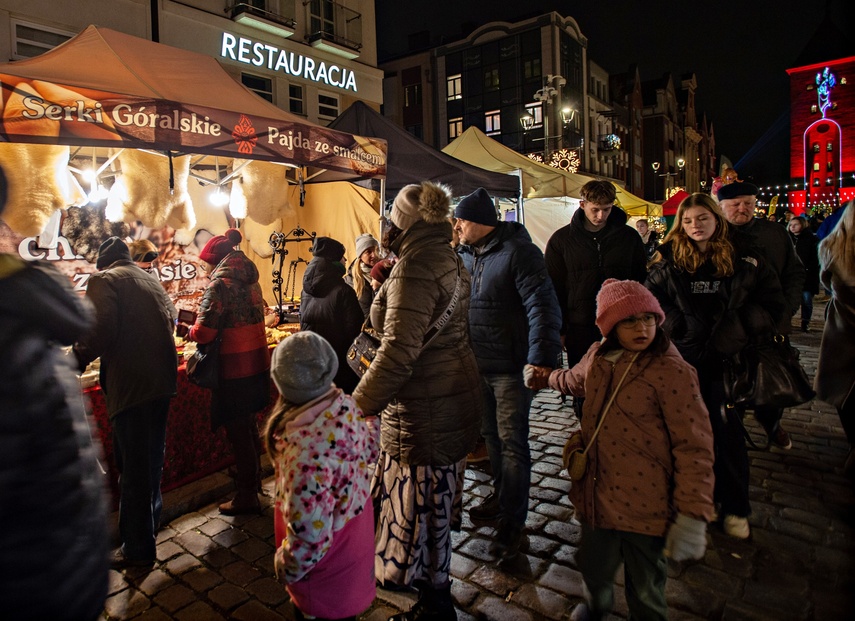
<point x="192" y="449"/>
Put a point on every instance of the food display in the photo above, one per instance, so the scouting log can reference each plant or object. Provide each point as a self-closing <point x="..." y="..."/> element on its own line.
<point x="275" y="335"/>
<point x="91" y="375"/>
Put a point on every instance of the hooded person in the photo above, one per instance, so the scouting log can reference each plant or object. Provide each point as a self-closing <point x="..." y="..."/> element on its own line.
<point x="329" y="307"/>
<point x="232" y="310"/>
<point x="424" y="384"/>
<point x="358" y="273"/>
<point x="323" y="453"/>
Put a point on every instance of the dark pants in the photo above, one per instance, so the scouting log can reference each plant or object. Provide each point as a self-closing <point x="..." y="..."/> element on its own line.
<point x="139" y="442"/>
<point x="505" y="430"/>
<point x="600" y="554"/>
<point x="807" y="306"/>
<point x="731" y="455"/>
<point x="242" y="433"/>
<point x="769" y="417"/>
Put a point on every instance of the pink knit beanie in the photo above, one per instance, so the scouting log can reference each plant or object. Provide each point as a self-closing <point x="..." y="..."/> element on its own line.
<point x="619" y="299"/>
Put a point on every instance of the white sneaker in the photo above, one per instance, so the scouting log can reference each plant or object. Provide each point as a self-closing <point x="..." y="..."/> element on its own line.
<point x="736" y="526"/>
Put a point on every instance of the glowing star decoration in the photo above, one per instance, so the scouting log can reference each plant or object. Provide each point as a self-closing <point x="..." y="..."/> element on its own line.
<point x="537" y="157"/>
<point x="244" y="135"/>
<point x="825" y="81"/>
<point x="565" y="159"/>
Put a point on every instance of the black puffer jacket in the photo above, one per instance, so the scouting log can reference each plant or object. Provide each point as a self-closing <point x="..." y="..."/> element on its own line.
<point x="806" y="244"/>
<point x="329" y="307"/>
<point x="514" y="316"/>
<point x="579" y="261"/>
<point x="53" y="545"/>
<point x="747" y="307"/>
<point x="429" y="399"/>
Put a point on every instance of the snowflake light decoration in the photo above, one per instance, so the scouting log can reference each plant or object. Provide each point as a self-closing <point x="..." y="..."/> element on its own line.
<point x="565" y="159"/>
<point x="537" y="157"/>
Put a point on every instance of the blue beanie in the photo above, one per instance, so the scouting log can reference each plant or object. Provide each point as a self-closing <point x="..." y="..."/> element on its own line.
<point x="477" y="207"/>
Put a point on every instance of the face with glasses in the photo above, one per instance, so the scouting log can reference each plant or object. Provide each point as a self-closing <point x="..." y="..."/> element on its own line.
<point x="636" y="333"/>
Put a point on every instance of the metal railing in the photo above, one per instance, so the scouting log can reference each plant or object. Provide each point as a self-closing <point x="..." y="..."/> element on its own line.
<point x="288" y="19"/>
<point x="333" y="22"/>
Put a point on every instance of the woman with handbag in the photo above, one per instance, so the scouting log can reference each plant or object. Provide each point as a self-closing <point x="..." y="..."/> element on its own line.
<point x="232" y="311"/>
<point x="835" y="371"/>
<point x="425" y="386"/>
<point x="648" y="484"/>
<point x="717" y="297"/>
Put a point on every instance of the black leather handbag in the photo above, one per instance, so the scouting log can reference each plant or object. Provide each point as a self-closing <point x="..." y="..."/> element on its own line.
<point x="203" y="368"/>
<point x="767" y="374"/>
<point x="363" y="350"/>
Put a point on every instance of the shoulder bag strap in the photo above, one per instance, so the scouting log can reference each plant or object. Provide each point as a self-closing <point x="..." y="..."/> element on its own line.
<point x="609" y="403"/>
<point x="439" y="324"/>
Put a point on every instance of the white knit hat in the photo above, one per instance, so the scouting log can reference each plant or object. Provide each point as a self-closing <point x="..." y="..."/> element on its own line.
<point x="364" y="242"/>
<point x="303" y="367"/>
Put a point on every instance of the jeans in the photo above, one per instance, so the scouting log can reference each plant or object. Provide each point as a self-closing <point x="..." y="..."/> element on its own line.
<point x="601" y="553"/>
<point x="139" y="443"/>
<point x="807" y="305"/>
<point x="505" y="430"/>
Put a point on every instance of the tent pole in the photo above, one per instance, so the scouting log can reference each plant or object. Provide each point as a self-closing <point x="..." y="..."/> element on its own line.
<point x="520" y="211"/>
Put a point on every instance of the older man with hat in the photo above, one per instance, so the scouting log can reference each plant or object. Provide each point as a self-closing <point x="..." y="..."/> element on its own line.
<point x="133" y="336"/>
<point x="514" y="321"/>
<point x="737" y="201"/>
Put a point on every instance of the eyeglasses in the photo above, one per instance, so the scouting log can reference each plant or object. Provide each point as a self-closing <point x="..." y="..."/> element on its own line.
<point x="646" y="319"/>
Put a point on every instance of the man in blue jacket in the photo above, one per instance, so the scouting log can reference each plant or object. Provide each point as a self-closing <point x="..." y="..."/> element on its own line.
<point x="514" y="320"/>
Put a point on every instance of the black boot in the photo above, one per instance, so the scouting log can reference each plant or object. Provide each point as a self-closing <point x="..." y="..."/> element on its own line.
<point x="805" y="327"/>
<point x="433" y="605"/>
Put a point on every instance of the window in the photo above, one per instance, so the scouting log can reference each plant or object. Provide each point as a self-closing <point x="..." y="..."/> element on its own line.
<point x="327" y="105"/>
<point x="455" y="87"/>
<point x="412" y="95"/>
<point x="491" y="78"/>
<point x="455" y="127"/>
<point x="335" y="22"/>
<point x="263" y="87"/>
<point x="829" y="181"/>
<point x="829" y="146"/>
<point x="816" y="166"/>
<point x="31" y="39"/>
<point x="531" y="68"/>
<point x="535" y="111"/>
<point x="493" y="122"/>
<point x="816" y="147"/>
<point x="295" y="99"/>
<point x="829" y="166"/>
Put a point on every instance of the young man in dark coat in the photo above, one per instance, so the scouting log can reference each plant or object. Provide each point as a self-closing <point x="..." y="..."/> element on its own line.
<point x="514" y="321"/>
<point x="737" y="201"/>
<point x="596" y="245"/>
<point x="806" y="245"/>
<point x="133" y="330"/>
<point x="329" y="306"/>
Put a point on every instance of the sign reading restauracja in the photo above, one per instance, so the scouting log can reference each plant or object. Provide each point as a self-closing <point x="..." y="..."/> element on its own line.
<point x="260" y="54"/>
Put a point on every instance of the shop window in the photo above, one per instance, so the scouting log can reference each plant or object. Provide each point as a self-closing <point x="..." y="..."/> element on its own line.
<point x="493" y="122"/>
<point x="327" y="106"/>
<point x="455" y="127"/>
<point x="30" y="40"/>
<point x="296" y="103"/>
<point x="263" y="87"/>
<point x="412" y="95"/>
<point x="454" y="87"/>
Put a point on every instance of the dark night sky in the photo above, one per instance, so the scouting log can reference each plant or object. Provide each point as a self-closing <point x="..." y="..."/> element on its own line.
<point x="739" y="52"/>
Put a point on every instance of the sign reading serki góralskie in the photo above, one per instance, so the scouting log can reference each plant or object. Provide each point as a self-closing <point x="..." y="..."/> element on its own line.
<point x="42" y="112"/>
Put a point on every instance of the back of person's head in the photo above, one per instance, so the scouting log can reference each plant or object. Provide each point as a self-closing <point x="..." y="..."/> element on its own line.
<point x="686" y="253"/>
<point x="599" y="192"/>
<point x="427" y="201"/>
<point x="302" y="367"/>
<point x="111" y="250"/>
<point x="143" y="251"/>
<point x="219" y="246"/>
<point x="839" y="245"/>
<point x="328" y="248"/>
<point x="381" y="270"/>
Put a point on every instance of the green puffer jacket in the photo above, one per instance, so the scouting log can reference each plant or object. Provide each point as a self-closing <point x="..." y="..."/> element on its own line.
<point x="429" y="400"/>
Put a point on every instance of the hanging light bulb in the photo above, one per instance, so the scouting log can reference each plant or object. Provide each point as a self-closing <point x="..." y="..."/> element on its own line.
<point x="88" y="175"/>
<point x="219" y="198"/>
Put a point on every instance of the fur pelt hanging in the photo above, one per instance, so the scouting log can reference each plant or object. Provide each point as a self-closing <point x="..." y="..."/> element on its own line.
<point x="263" y="189"/>
<point x="87" y="227"/>
<point x="209" y="217"/>
<point x="258" y="236"/>
<point x="37" y="184"/>
<point x="142" y="191"/>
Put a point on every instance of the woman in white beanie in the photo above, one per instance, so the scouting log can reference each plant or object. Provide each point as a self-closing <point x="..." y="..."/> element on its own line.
<point x="648" y="487"/>
<point x="427" y="393"/>
<point x="324" y="455"/>
<point x="359" y="271"/>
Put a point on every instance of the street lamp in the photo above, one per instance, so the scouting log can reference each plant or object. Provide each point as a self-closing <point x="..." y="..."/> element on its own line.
<point x="681" y="164"/>
<point x="527" y="122"/>
<point x="546" y="95"/>
<point x="655" y="166"/>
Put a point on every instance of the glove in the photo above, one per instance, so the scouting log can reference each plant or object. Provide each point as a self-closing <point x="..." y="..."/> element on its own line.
<point x="686" y="539"/>
<point x="528" y="375"/>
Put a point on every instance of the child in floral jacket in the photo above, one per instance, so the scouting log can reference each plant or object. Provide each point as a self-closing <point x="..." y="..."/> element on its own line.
<point x="324" y="454"/>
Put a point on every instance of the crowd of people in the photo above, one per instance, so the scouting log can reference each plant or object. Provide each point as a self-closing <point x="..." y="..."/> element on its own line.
<point x="472" y="319"/>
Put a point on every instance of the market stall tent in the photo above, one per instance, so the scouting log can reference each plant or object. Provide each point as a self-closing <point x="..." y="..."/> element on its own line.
<point x="410" y="160"/>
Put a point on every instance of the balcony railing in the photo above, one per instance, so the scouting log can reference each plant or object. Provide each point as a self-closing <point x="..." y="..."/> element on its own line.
<point x="334" y="23"/>
<point x="276" y="23"/>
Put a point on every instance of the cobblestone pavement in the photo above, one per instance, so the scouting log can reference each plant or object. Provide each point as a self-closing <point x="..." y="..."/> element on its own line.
<point x="799" y="563"/>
